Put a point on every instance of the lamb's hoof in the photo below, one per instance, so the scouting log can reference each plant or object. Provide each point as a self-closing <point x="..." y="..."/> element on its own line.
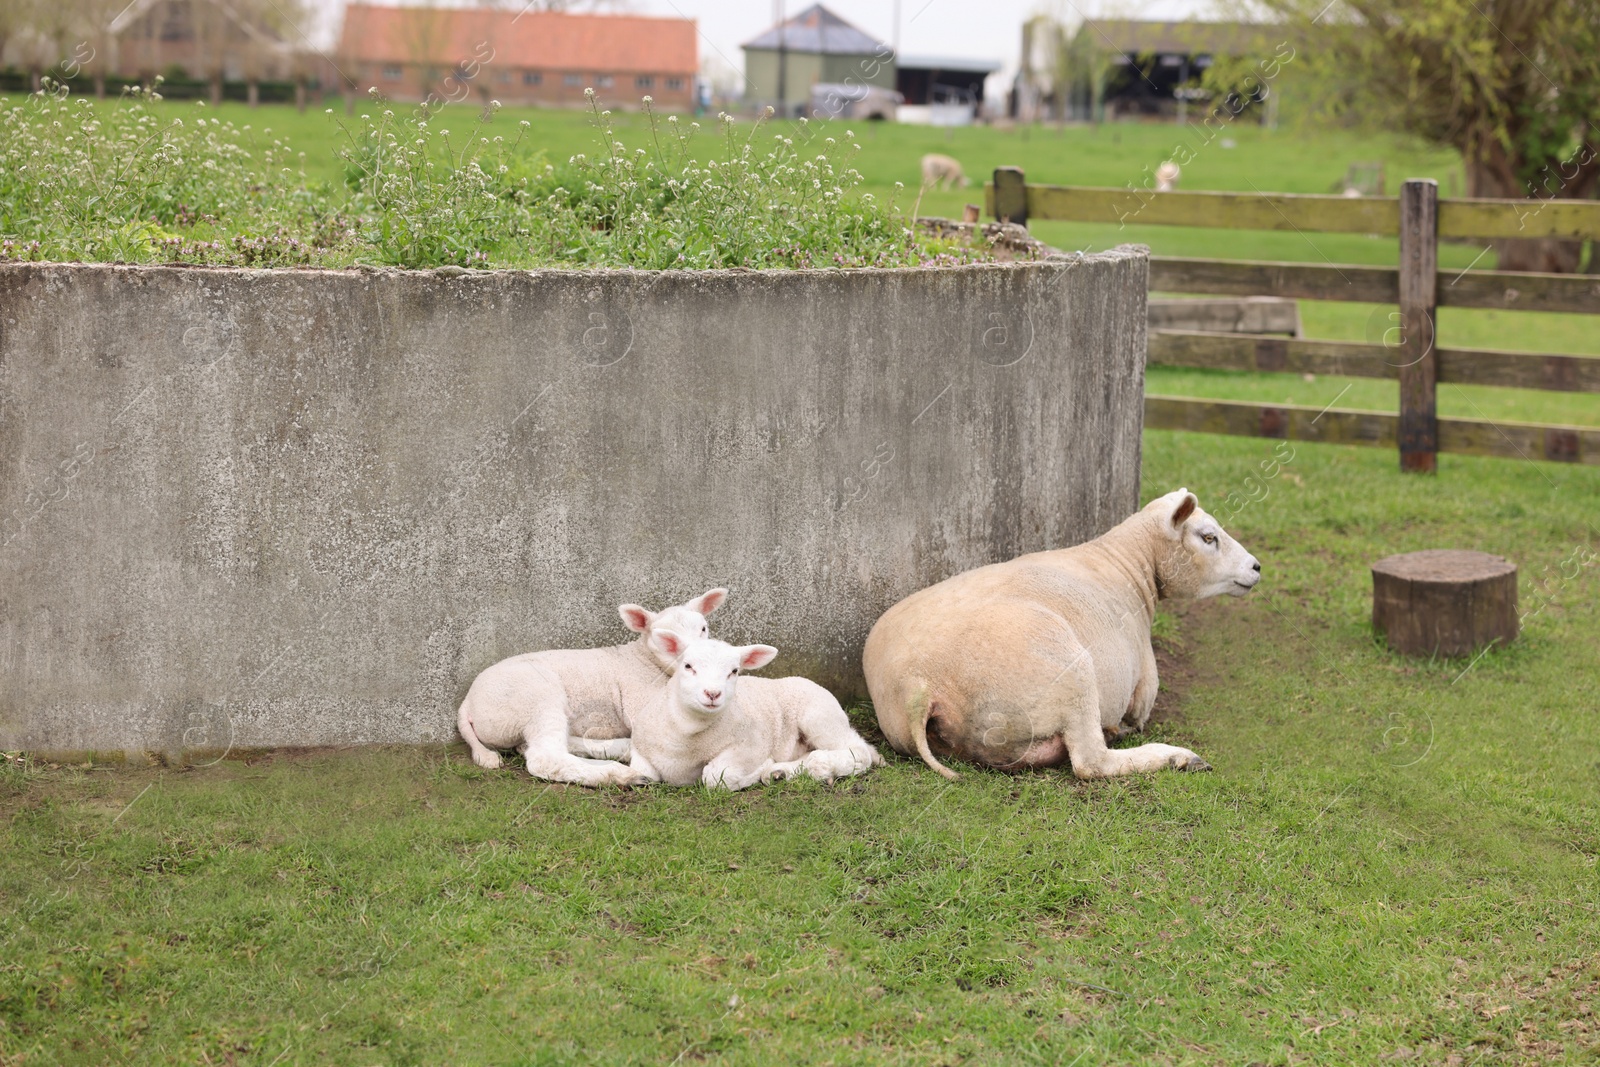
<point x="489" y="761"/>
<point x="1191" y="763"/>
<point x="778" y="776"/>
<point x="1114" y="734"/>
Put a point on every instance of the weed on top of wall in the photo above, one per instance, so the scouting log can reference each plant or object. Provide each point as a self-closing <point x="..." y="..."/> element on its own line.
<point x="122" y="183"/>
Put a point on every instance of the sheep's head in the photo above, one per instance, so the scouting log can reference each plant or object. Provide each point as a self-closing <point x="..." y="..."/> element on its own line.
<point x="708" y="670"/>
<point x="1195" y="557"/>
<point x="687" y="620"/>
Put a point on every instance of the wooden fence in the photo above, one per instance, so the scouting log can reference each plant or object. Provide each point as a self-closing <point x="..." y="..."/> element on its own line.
<point x="1420" y="219"/>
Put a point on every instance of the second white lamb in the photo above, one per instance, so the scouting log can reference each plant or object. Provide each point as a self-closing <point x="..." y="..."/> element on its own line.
<point x="709" y="724"/>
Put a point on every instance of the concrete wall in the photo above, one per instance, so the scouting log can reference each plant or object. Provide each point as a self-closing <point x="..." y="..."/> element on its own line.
<point x="274" y="508"/>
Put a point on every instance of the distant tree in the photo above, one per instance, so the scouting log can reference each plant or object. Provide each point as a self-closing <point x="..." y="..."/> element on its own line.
<point x="1514" y="85"/>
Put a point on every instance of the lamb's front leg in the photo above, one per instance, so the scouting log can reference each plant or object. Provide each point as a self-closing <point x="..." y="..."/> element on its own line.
<point x="641" y="766"/>
<point x="724" y="772"/>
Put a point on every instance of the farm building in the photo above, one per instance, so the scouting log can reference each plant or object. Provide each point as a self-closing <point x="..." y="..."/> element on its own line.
<point x="815" y="46"/>
<point x="941" y="90"/>
<point x="531" y="57"/>
<point x="205" y="39"/>
<point x="1133" y="67"/>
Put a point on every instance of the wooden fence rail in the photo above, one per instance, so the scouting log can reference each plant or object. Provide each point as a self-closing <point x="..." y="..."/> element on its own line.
<point x="1292" y="422"/>
<point x="1420" y="219"/>
<point x="1353" y="359"/>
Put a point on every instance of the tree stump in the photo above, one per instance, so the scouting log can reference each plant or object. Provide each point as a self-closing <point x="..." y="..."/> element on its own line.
<point x="1444" y="602"/>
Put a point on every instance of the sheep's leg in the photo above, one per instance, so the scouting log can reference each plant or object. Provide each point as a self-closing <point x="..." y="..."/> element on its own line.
<point x="826" y="764"/>
<point x="781" y="772"/>
<point x="546" y="748"/>
<point x="827" y="733"/>
<point x="642" y="767"/>
<point x="724" y="773"/>
<point x="619" y="749"/>
<point x="1084" y="734"/>
<point x="1144" y="692"/>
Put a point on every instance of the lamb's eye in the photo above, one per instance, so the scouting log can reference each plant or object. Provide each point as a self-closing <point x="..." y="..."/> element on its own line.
<point x="689" y="667"/>
<point x="736" y="670"/>
<point x="1209" y="539"/>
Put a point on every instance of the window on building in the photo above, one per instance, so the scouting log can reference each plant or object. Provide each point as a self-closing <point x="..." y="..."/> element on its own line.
<point x="604" y="81"/>
<point x="532" y="77"/>
<point x="393" y="73"/>
<point x="674" y="83"/>
<point x="503" y="77"/>
<point x="644" y="81"/>
<point x="572" y="79"/>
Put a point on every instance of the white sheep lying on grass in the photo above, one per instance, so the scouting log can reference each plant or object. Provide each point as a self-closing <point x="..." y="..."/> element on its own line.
<point x="567" y="710"/>
<point x="708" y="724"/>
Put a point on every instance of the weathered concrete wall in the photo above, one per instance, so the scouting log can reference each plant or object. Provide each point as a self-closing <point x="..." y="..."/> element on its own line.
<point x="250" y="509"/>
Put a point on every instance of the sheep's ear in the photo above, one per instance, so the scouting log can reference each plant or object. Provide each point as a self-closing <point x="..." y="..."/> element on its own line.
<point x="668" y="643"/>
<point x="636" y="618"/>
<point x="708" y="601"/>
<point x="754" y="657"/>
<point x="1187" y="502"/>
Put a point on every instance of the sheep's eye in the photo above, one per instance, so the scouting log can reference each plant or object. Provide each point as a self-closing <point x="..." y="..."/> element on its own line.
<point x="689" y="667"/>
<point x="736" y="670"/>
<point x="1209" y="539"/>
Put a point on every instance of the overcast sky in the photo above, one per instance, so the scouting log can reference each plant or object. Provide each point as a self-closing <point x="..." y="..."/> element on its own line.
<point x="970" y="29"/>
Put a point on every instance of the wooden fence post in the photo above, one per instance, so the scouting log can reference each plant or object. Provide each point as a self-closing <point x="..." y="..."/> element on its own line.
<point x="1010" y="195"/>
<point x="1419" y="274"/>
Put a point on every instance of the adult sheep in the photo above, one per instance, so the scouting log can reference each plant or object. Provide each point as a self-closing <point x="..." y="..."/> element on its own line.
<point x="1030" y="663"/>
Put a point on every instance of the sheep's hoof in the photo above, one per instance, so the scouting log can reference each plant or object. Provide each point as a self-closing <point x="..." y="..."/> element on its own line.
<point x="778" y="776"/>
<point x="1193" y="763"/>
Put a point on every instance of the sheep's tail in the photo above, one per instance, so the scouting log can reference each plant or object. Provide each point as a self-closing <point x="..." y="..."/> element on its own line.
<point x="482" y="754"/>
<point x="918" y="714"/>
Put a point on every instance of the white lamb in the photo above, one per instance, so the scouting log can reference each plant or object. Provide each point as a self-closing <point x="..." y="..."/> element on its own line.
<point x="567" y="711"/>
<point x="709" y="725"/>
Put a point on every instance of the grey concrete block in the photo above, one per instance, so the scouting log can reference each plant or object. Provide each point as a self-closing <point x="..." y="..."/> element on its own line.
<point x="245" y="509"/>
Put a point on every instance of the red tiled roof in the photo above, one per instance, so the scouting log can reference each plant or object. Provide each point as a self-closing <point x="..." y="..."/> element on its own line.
<point x="623" y="44"/>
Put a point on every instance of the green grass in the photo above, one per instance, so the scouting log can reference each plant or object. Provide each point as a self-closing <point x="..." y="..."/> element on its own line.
<point x="1284" y="160"/>
<point x="1395" y="860"/>
<point x="1391" y="855"/>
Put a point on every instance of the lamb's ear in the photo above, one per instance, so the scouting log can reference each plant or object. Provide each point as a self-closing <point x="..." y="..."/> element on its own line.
<point x="754" y="657"/>
<point x="1187" y="502"/>
<point x="708" y="601"/>
<point x="668" y="643"/>
<point x="636" y="618"/>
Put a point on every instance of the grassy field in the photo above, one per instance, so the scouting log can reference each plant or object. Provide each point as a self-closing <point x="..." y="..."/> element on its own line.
<point x="1394" y="861"/>
<point x="1284" y="160"/>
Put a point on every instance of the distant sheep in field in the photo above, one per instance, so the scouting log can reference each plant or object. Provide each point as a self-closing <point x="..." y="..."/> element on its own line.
<point x="1167" y="176"/>
<point x="942" y="171"/>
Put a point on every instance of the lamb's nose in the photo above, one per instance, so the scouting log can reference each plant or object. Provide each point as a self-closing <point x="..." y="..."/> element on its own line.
<point x="713" y="695"/>
<point x="1257" y="566"/>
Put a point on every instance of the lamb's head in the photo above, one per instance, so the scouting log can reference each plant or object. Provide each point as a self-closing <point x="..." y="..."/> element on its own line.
<point x="1195" y="557"/>
<point x="708" y="670"/>
<point x="687" y="620"/>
